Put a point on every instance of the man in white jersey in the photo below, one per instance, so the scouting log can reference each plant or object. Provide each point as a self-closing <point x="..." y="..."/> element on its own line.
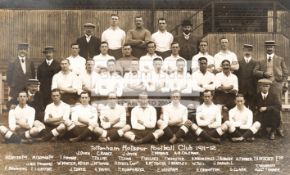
<point x="103" y="57"/>
<point x="203" y="52"/>
<point x="77" y="63"/>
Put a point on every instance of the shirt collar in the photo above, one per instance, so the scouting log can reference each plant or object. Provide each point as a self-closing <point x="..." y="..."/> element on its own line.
<point x="21" y="57"/>
<point x="87" y="36"/>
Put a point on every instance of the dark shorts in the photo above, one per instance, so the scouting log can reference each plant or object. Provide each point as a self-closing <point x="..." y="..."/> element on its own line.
<point x="142" y="133"/>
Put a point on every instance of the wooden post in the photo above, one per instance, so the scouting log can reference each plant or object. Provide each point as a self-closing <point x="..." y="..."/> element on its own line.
<point x="274" y="17"/>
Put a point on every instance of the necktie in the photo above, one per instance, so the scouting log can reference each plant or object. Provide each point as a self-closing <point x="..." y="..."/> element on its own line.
<point x="269" y="58"/>
<point x="22" y="60"/>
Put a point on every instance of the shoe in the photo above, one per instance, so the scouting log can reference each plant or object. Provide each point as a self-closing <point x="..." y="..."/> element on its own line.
<point x="237" y="139"/>
<point x="272" y="136"/>
<point x="137" y="141"/>
<point x="102" y="140"/>
<point x="280" y="132"/>
<point x="250" y="139"/>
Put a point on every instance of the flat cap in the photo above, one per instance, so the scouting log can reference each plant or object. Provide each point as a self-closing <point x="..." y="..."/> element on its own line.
<point x="248" y="46"/>
<point x="22" y="46"/>
<point x="90" y="25"/>
<point x="33" y="81"/>
<point x="186" y="23"/>
<point x="48" y="49"/>
<point x="265" y="81"/>
<point x="270" y="43"/>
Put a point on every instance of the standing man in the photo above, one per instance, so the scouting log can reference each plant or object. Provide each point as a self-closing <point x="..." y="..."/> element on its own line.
<point x="123" y="64"/>
<point x="19" y="71"/>
<point x="186" y="41"/>
<point x="103" y="57"/>
<point x="67" y="82"/>
<point x="115" y="37"/>
<point x="77" y="63"/>
<point x="138" y="37"/>
<point x="146" y="61"/>
<point x="247" y="80"/>
<point x="203" y="52"/>
<point x="89" y="44"/>
<point x="45" y="72"/>
<point x="162" y="39"/>
<point x="225" y="54"/>
<point x="88" y="78"/>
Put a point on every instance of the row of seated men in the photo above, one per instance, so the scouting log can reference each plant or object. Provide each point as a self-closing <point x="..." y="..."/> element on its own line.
<point x="110" y="122"/>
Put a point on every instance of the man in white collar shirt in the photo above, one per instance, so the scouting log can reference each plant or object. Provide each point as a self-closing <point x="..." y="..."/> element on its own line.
<point x="19" y="71"/>
<point x="22" y="123"/>
<point x="113" y="118"/>
<point x="208" y="122"/>
<point x="68" y="83"/>
<point x="103" y="57"/>
<point x="77" y="63"/>
<point x="203" y="52"/>
<point x="146" y="61"/>
<point x="143" y="121"/>
<point x="169" y="64"/>
<point x="138" y="37"/>
<point x="89" y="78"/>
<point x="134" y="81"/>
<point x="204" y="80"/>
<point x="89" y="44"/>
<point x="241" y="121"/>
<point x="245" y="74"/>
<point x="110" y="81"/>
<point x="157" y="80"/>
<point x="174" y="115"/>
<point x="226" y="86"/>
<point x="181" y="80"/>
<point x="225" y="54"/>
<point x="115" y="37"/>
<point x="162" y="39"/>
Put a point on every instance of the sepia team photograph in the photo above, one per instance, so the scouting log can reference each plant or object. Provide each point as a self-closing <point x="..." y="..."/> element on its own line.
<point x="145" y="87"/>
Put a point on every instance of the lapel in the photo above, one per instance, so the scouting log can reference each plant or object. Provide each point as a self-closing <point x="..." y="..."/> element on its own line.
<point x="18" y="66"/>
<point x="27" y="64"/>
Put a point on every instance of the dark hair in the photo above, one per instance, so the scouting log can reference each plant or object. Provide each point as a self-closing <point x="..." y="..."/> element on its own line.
<point x="174" y="43"/>
<point x="161" y="19"/>
<point x="206" y="91"/>
<point x="240" y="95"/>
<point x="111" y="60"/>
<point x="73" y="44"/>
<point x="202" y="58"/>
<point x="225" y="61"/>
<point x="126" y="44"/>
<point x="104" y="42"/>
<point x="85" y="92"/>
<point x="157" y="59"/>
<point x="150" y="42"/>
<point x="65" y="59"/>
<point x="55" y="90"/>
<point x="202" y="41"/>
<point x="180" y="59"/>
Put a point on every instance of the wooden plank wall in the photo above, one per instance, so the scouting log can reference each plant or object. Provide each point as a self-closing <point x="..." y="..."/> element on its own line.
<point x="236" y="42"/>
<point x="60" y="28"/>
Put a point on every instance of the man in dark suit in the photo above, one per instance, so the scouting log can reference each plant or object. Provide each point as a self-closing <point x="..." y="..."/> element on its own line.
<point x="187" y="42"/>
<point x="89" y="44"/>
<point x="19" y="71"/>
<point x="274" y="69"/>
<point x="45" y="72"/>
<point x="268" y="108"/>
<point x="247" y="80"/>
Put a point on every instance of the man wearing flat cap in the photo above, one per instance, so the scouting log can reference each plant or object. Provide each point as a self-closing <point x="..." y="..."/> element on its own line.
<point x="247" y="80"/>
<point x="89" y="44"/>
<point x="20" y="69"/>
<point x="273" y="67"/>
<point x="187" y="42"/>
<point x="45" y="72"/>
<point x="268" y="108"/>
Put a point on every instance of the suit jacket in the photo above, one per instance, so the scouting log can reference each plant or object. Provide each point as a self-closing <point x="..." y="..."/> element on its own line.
<point x="279" y="69"/>
<point x="188" y="48"/>
<point x="247" y="80"/>
<point x="16" y="78"/>
<point x="44" y="75"/>
<point x="89" y="49"/>
<point x="271" y="102"/>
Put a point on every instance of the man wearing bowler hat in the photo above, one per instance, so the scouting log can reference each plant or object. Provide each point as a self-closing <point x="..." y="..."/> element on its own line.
<point x="45" y="72"/>
<point x="247" y="80"/>
<point x="89" y="44"/>
<point x="186" y="41"/>
<point x="273" y="67"/>
<point x="20" y="69"/>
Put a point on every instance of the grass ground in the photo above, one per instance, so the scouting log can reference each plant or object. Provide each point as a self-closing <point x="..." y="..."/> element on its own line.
<point x="266" y="157"/>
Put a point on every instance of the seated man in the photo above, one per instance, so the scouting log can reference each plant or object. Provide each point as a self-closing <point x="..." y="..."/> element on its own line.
<point x="180" y="80"/>
<point x="157" y="80"/>
<point x="174" y="116"/>
<point x="268" y="107"/>
<point x="241" y="121"/>
<point x="134" y="80"/>
<point x="110" y="81"/>
<point x="209" y="121"/>
<point x="226" y="86"/>
<point x="143" y="121"/>
<point x="88" y="78"/>
<point x="22" y="123"/>
<point x="68" y="83"/>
